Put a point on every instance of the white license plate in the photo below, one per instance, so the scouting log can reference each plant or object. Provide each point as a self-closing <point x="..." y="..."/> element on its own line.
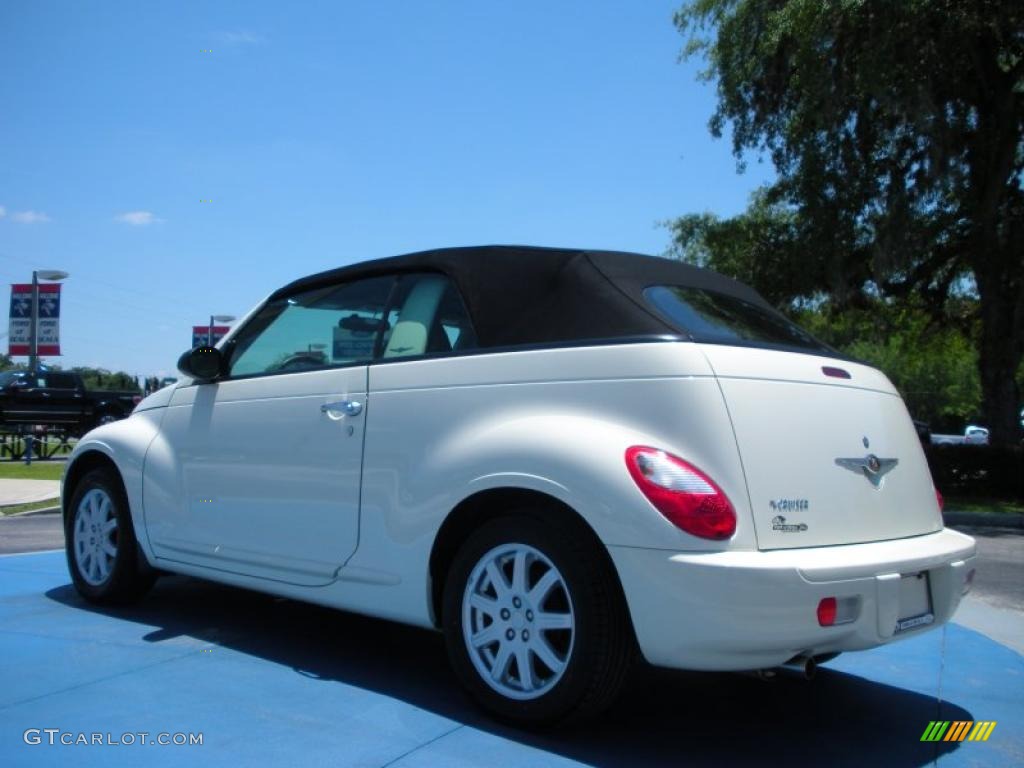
<point x="915" y="602"/>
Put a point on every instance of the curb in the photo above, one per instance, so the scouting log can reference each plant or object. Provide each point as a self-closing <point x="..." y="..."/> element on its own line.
<point x="976" y="519"/>
<point x="29" y="513"/>
<point x="985" y="520"/>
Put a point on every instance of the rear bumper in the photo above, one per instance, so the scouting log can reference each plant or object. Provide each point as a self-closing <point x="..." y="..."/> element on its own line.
<point x="743" y="610"/>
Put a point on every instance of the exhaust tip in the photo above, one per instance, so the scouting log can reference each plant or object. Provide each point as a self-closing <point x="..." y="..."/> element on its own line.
<point x="803" y="665"/>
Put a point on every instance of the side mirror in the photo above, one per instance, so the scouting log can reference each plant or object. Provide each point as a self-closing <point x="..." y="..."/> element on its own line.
<point x="202" y="364"/>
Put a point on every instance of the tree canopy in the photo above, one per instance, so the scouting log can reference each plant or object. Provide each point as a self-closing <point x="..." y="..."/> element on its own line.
<point x="897" y="131"/>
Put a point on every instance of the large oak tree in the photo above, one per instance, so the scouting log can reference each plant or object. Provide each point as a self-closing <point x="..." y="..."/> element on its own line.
<point x="897" y="131"/>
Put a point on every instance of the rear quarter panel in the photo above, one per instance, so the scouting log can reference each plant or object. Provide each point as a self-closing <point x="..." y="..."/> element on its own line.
<point x="554" y="421"/>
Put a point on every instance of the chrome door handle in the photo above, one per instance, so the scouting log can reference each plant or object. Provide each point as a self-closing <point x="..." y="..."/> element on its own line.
<point x="345" y="407"/>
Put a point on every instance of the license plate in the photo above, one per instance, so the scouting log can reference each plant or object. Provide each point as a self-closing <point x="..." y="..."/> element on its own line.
<point x="915" y="602"/>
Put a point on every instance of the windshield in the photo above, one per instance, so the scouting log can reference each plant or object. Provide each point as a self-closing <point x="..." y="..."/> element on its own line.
<point x="9" y="377"/>
<point x="718" y="318"/>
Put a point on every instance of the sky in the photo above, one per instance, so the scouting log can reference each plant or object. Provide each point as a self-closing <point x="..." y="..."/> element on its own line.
<point x="182" y="159"/>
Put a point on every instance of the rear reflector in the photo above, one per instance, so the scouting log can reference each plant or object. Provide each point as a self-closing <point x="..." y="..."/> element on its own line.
<point x="687" y="497"/>
<point x="833" y="611"/>
<point x="827" y="611"/>
<point x="836" y="373"/>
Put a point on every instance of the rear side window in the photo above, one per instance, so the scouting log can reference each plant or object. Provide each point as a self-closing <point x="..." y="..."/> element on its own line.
<point x="718" y="318"/>
<point x="60" y="381"/>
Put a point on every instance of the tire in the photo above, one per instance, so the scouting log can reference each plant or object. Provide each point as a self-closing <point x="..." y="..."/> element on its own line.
<point x="107" y="417"/>
<point x="576" y="666"/>
<point x="103" y="556"/>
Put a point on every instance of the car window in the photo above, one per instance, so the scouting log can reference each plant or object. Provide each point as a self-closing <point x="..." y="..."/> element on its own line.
<point x="321" y="328"/>
<point x="426" y="317"/>
<point x="718" y="318"/>
<point x="60" y="381"/>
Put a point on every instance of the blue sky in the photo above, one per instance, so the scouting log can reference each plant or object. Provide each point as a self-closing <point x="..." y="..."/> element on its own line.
<point x="324" y="134"/>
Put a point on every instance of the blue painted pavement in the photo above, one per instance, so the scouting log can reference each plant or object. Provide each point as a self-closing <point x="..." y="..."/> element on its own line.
<point x="269" y="681"/>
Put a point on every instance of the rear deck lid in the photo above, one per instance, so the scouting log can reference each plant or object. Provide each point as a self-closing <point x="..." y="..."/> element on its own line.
<point x="829" y="452"/>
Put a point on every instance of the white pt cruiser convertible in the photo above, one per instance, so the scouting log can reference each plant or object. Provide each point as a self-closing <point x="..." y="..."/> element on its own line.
<point x="557" y="457"/>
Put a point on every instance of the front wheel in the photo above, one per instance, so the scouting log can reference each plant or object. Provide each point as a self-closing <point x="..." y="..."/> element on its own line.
<point x="103" y="556"/>
<point x="535" y="623"/>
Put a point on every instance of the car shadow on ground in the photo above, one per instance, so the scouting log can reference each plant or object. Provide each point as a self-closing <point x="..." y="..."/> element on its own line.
<point x="663" y="717"/>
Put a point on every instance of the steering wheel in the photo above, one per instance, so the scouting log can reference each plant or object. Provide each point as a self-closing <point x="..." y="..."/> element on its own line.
<point x="301" y="361"/>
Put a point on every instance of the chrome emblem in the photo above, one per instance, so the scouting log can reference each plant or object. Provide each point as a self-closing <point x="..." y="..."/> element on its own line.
<point x="872" y="467"/>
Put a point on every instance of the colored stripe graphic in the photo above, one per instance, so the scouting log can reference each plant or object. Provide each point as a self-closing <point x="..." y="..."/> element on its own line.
<point x="958" y="730"/>
<point x="982" y="730"/>
<point x="935" y="730"/>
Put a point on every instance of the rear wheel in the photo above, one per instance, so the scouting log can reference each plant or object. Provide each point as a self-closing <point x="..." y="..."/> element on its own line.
<point x="106" y="418"/>
<point x="103" y="557"/>
<point x="534" y="622"/>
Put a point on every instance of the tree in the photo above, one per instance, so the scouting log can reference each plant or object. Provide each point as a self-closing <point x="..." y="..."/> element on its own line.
<point x="897" y="131"/>
<point x="932" y="362"/>
<point x="102" y="379"/>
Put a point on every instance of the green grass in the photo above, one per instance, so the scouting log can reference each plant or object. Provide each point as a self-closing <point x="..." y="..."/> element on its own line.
<point x="989" y="506"/>
<point x="16" y="508"/>
<point x="38" y="470"/>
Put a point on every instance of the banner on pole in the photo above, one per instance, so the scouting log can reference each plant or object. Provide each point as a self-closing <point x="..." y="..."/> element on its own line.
<point x="201" y="335"/>
<point x="47" y="331"/>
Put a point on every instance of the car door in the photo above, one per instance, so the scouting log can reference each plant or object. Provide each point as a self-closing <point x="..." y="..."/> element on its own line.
<point x="62" y="398"/>
<point x="258" y="473"/>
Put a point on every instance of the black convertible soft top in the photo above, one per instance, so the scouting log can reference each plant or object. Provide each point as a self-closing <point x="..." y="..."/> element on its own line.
<point x="528" y="295"/>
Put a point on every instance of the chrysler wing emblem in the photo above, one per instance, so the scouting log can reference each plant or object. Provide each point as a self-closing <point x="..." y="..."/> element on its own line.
<point x="872" y="467"/>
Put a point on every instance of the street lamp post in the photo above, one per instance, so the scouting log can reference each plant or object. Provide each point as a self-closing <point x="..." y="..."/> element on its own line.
<point x="33" y="340"/>
<point x="218" y="319"/>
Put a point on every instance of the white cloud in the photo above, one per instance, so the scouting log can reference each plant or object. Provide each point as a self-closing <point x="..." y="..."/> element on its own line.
<point x="137" y="218"/>
<point x="241" y="37"/>
<point x="29" y="217"/>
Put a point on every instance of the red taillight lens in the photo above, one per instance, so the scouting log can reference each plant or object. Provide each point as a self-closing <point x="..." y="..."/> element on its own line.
<point x="938" y="498"/>
<point x="827" y="612"/>
<point x="687" y="497"/>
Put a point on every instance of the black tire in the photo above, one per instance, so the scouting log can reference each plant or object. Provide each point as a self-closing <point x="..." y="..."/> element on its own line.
<point x="127" y="576"/>
<point x="599" y="654"/>
<point x="106" y="417"/>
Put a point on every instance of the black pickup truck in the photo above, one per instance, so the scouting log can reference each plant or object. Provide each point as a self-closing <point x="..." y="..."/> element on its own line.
<point x="58" y="399"/>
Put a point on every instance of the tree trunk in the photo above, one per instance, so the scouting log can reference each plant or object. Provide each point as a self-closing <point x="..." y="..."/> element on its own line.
<point x="1000" y="354"/>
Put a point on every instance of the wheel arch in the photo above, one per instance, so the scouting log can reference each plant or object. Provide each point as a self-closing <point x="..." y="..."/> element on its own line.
<point x="82" y="465"/>
<point x="486" y="505"/>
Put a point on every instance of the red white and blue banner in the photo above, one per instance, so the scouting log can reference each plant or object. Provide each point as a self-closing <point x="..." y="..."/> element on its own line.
<point x="48" y="328"/>
<point x="201" y="335"/>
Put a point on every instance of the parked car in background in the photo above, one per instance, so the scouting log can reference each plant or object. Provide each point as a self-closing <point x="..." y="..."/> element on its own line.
<point x="58" y="399"/>
<point x="972" y="435"/>
<point x="558" y="458"/>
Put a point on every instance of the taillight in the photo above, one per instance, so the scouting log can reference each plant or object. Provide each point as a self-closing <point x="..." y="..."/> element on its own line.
<point x="938" y="498"/>
<point x="687" y="497"/>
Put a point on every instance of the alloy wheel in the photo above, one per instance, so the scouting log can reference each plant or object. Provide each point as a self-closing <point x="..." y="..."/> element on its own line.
<point x="518" y="621"/>
<point x="95" y="536"/>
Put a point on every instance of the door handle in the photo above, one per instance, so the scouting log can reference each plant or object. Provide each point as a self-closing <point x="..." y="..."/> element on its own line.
<point x="344" y="407"/>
